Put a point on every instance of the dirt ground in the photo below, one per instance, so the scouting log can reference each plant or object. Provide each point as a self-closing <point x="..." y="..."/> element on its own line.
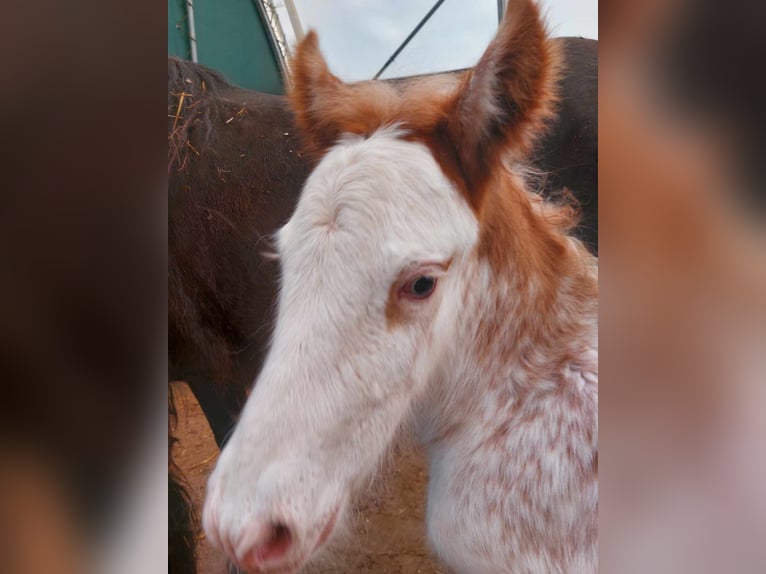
<point x="388" y="534"/>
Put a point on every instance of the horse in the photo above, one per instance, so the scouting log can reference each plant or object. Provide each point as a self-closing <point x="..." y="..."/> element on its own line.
<point x="423" y="284"/>
<point x="220" y="290"/>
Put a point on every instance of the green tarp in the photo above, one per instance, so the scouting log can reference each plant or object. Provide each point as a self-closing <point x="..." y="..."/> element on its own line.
<point x="231" y="38"/>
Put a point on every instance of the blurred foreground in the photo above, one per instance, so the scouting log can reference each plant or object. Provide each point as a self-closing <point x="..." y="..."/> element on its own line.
<point x="83" y="409"/>
<point x="683" y="287"/>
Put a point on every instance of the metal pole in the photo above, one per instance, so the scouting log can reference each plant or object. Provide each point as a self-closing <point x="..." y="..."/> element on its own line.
<point x="500" y="10"/>
<point x="294" y="20"/>
<point x="192" y="30"/>
<point x="270" y="18"/>
<point x="407" y="40"/>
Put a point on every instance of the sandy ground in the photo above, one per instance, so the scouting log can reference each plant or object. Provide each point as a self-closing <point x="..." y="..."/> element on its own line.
<point x="388" y="535"/>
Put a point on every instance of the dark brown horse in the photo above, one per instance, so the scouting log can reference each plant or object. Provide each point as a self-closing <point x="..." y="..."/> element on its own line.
<point x="234" y="176"/>
<point x="235" y="173"/>
<point x="568" y="155"/>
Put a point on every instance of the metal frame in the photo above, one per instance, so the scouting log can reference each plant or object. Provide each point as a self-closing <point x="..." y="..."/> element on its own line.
<point x="282" y="50"/>
<point x="278" y="42"/>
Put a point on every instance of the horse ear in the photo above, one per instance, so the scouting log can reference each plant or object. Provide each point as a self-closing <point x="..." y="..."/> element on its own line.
<point x="312" y="92"/>
<point x="502" y="105"/>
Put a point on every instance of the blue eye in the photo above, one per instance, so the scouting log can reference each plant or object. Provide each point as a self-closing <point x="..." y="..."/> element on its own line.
<point x="420" y="288"/>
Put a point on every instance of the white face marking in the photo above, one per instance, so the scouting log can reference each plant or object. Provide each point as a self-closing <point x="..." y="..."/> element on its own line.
<point x="340" y="376"/>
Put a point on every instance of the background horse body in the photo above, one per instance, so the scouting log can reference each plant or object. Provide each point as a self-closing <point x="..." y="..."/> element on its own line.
<point x="422" y="281"/>
<point x="235" y="176"/>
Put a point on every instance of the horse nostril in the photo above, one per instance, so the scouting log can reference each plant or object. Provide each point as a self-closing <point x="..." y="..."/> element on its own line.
<point x="272" y="545"/>
<point x="280" y="534"/>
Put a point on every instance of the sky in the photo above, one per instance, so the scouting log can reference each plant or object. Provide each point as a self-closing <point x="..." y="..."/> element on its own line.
<point x="358" y="36"/>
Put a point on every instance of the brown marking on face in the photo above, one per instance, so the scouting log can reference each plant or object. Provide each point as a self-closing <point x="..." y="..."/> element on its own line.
<point x="395" y="313"/>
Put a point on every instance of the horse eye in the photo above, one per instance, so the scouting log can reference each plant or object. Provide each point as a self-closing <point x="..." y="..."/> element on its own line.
<point x="420" y="287"/>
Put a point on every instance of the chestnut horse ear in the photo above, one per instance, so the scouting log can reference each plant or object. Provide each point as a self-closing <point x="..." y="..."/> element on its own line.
<point x="312" y="91"/>
<point x="502" y="105"/>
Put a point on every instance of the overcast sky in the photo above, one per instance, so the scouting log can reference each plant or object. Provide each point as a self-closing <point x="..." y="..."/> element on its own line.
<point x="358" y="36"/>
